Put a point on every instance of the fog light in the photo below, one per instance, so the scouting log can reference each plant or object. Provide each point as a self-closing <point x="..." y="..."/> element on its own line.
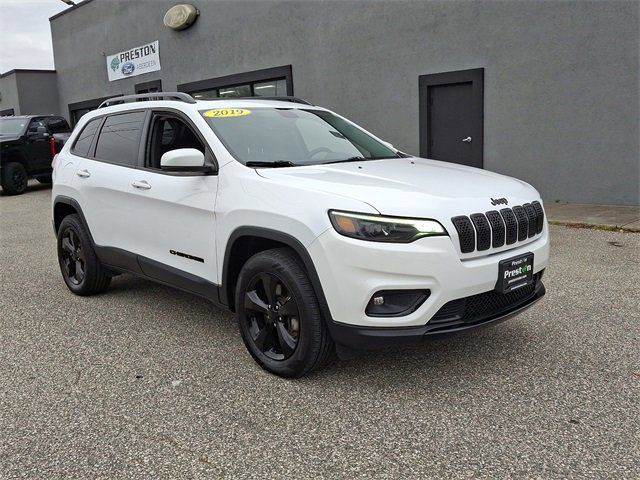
<point x="395" y="303"/>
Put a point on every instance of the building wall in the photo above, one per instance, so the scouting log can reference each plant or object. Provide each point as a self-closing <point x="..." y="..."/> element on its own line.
<point x="30" y="92"/>
<point x="561" y="78"/>
<point x="38" y="93"/>
<point x="9" y="93"/>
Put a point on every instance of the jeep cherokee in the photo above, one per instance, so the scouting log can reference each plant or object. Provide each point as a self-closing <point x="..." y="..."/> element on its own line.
<point x="321" y="237"/>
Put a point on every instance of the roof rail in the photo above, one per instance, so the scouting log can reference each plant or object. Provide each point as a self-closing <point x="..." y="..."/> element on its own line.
<point x="180" y="96"/>
<point x="278" y="99"/>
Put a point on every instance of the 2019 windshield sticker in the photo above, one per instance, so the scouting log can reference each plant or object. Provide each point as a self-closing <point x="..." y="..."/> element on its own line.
<point x="226" y="112"/>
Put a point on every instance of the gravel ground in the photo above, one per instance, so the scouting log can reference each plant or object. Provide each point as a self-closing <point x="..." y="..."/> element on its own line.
<point x="149" y="382"/>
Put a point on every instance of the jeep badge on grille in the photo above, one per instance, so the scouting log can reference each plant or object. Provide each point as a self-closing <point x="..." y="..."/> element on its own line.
<point x="499" y="201"/>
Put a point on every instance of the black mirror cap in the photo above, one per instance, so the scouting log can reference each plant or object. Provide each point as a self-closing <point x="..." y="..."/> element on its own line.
<point x="205" y="169"/>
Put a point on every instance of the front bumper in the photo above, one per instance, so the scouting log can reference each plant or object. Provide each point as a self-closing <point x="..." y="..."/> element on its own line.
<point x="351" y="271"/>
<point x="371" y="338"/>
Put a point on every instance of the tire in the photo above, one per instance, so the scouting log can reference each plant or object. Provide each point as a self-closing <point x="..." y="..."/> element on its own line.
<point x="14" y="178"/>
<point x="79" y="265"/>
<point x="45" y="179"/>
<point x="269" y="322"/>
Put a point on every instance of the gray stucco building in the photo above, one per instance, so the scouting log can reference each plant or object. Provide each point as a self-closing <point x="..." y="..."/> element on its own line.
<point x="26" y="92"/>
<point x="545" y="91"/>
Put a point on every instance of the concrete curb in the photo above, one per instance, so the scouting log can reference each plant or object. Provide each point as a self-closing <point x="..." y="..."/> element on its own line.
<point x="596" y="226"/>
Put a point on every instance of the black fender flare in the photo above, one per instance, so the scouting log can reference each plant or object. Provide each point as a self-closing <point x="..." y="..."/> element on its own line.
<point x="286" y="239"/>
<point x="62" y="199"/>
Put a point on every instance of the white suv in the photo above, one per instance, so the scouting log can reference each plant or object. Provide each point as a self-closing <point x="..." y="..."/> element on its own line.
<point x="321" y="237"/>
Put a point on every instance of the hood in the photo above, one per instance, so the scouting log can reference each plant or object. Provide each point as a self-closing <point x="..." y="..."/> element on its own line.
<point x="411" y="187"/>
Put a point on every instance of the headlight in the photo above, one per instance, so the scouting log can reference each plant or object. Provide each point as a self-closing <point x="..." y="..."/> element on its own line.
<point x="377" y="228"/>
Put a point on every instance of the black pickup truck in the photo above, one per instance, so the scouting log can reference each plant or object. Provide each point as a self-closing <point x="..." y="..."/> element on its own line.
<point x="27" y="146"/>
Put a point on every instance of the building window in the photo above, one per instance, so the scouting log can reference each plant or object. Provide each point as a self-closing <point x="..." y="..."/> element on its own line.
<point x="270" y="82"/>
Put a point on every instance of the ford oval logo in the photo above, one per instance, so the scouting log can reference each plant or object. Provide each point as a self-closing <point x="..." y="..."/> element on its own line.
<point x="128" y="68"/>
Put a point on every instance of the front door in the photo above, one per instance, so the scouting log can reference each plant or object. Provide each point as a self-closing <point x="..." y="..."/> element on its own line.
<point x="38" y="146"/>
<point x="175" y="225"/>
<point x="451" y="117"/>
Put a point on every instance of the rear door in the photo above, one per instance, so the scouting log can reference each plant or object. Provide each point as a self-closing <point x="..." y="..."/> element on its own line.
<point x="103" y="181"/>
<point x="175" y="226"/>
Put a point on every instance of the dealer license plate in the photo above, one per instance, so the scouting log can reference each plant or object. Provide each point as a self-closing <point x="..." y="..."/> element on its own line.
<point x="515" y="273"/>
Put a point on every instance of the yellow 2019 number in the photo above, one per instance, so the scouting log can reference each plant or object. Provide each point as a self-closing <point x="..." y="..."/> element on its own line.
<point x="226" y="112"/>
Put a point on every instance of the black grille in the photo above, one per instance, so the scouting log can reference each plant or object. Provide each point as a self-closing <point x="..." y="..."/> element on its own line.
<point x="466" y="234"/>
<point x="539" y="215"/>
<point x="512" y="225"/>
<point x="523" y="222"/>
<point x="493" y="228"/>
<point x="497" y="228"/>
<point x="484" y="305"/>
<point x="483" y="231"/>
<point x="532" y="217"/>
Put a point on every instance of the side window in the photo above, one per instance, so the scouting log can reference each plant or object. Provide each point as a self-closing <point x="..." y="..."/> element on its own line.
<point x="119" y="138"/>
<point x="83" y="142"/>
<point x="56" y="124"/>
<point x="169" y="133"/>
<point x="33" y="126"/>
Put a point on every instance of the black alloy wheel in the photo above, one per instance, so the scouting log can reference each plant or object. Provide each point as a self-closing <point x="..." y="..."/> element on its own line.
<point x="19" y="180"/>
<point x="73" y="259"/>
<point x="14" y="178"/>
<point x="272" y="315"/>
<point x="80" y="267"/>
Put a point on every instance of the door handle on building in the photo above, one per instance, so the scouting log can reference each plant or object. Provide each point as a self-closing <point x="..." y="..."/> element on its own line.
<point x="141" y="184"/>
<point x="83" y="173"/>
<point x="468" y="139"/>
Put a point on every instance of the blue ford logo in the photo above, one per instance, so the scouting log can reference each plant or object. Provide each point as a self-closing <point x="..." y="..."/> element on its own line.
<point x="128" y="68"/>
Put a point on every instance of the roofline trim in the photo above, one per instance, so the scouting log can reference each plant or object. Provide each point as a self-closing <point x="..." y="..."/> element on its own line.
<point x="26" y="70"/>
<point x="67" y="10"/>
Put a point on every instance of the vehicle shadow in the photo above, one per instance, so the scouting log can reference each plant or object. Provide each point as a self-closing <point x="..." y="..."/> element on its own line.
<point x="32" y="186"/>
<point x="435" y="361"/>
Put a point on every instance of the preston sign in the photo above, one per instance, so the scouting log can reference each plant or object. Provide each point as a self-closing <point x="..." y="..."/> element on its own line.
<point x="136" y="61"/>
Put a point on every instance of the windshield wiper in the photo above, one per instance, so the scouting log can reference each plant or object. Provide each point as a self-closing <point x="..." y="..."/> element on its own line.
<point x="356" y="159"/>
<point x="274" y="164"/>
<point x="350" y="159"/>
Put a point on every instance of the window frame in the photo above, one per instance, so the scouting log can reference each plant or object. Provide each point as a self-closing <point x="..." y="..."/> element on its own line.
<point x="209" y="155"/>
<point x="250" y="78"/>
<point x="91" y="155"/>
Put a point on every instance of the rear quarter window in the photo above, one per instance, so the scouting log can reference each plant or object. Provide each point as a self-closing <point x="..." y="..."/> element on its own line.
<point x="83" y="142"/>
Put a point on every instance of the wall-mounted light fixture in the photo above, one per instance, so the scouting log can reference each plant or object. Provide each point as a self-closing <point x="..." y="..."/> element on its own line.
<point x="181" y="16"/>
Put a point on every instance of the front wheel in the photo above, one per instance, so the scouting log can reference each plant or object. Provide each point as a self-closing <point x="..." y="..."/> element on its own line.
<point x="279" y="316"/>
<point x="14" y="178"/>
<point x="80" y="267"/>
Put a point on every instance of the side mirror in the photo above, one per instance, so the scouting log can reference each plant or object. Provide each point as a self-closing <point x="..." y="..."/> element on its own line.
<point x="184" y="160"/>
<point x="38" y="132"/>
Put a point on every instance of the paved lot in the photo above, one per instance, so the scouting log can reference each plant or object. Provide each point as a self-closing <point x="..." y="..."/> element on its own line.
<point x="146" y="381"/>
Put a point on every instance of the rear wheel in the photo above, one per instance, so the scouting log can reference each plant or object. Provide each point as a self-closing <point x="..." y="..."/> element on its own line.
<point x="81" y="270"/>
<point x="14" y="178"/>
<point x="279" y="316"/>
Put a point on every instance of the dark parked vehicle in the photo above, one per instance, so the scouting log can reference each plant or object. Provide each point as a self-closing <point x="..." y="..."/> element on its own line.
<point x="27" y="146"/>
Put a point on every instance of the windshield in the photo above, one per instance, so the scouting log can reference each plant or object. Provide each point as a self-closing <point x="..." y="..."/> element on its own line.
<point x="292" y="136"/>
<point x="12" y="126"/>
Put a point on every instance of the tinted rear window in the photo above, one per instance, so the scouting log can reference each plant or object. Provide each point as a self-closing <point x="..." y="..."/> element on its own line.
<point x="83" y="143"/>
<point x="119" y="139"/>
<point x="56" y="124"/>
